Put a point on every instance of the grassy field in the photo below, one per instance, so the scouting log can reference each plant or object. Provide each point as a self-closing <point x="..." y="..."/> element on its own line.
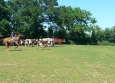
<point x="66" y="64"/>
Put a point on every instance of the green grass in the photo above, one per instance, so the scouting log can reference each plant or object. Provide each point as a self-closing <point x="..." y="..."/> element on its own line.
<point x="66" y="64"/>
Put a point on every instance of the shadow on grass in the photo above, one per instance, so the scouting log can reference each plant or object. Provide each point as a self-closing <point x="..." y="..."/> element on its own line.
<point x="59" y="46"/>
<point x="16" y="50"/>
<point x="40" y="49"/>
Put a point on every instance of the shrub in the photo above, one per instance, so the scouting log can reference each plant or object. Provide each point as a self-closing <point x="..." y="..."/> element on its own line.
<point x="106" y="43"/>
<point x="71" y="42"/>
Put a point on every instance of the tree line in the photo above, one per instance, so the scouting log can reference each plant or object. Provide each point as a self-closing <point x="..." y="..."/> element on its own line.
<point x="45" y="18"/>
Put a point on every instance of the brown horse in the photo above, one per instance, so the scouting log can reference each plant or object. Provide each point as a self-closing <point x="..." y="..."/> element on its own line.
<point x="8" y="41"/>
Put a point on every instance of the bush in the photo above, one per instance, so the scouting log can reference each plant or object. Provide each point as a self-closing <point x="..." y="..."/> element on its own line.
<point x="106" y="43"/>
<point x="71" y="42"/>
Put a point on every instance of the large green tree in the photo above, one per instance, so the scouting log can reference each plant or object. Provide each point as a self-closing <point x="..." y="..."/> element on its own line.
<point x="4" y="19"/>
<point x="75" y="21"/>
<point x="112" y="34"/>
<point x="29" y="16"/>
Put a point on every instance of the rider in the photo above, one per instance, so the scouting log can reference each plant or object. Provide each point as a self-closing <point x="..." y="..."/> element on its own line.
<point x="12" y="35"/>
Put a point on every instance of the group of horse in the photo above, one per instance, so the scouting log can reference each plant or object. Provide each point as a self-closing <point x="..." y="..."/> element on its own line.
<point x="42" y="42"/>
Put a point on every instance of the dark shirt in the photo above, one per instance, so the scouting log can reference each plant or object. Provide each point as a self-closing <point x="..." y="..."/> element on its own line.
<point x="12" y="34"/>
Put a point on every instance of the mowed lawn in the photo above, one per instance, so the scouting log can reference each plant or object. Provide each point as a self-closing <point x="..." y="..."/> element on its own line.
<point x="66" y="64"/>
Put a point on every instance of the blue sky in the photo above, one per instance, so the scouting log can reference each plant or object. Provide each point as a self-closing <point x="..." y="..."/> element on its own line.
<point x="102" y="10"/>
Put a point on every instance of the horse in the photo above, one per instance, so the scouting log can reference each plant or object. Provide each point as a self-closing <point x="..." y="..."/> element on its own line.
<point x="59" y="41"/>
<point x="10" y="41"/>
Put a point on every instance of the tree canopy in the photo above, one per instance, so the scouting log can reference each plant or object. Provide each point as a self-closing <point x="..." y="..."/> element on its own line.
<point x="36" y="18"/>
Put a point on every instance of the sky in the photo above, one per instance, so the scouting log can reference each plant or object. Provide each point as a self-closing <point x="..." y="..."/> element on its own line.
<point x="102" y="10"/>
